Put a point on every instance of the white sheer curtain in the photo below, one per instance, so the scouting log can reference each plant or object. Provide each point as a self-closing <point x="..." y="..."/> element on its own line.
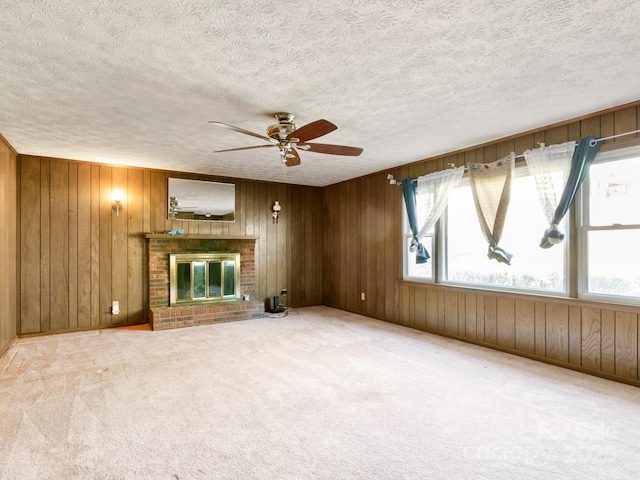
<point x="433" y="194"/>
<point x="543" y="163"/>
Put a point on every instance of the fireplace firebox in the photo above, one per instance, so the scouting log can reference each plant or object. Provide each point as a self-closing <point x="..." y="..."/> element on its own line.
<point x="205" y="277"/>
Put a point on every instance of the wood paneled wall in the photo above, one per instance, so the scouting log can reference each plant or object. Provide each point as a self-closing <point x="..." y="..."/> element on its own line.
<point x="363" y="254"/>
<point x="77" y="256"/>
<point x="8" y="245"/>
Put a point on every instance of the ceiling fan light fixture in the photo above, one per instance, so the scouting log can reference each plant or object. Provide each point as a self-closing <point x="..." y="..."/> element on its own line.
<point x="280" y="135"/>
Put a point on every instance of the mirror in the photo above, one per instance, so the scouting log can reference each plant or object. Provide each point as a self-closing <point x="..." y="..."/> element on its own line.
<point x="201" y="200"/>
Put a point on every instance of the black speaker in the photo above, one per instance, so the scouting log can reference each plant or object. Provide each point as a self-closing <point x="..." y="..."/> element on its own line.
<point x="274" y="306"/>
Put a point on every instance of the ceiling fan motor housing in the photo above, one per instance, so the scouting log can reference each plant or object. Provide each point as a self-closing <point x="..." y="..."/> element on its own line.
<point x="283" y="128"/>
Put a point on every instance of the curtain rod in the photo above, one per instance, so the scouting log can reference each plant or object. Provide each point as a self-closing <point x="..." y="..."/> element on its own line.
<point x="393" y="181"/>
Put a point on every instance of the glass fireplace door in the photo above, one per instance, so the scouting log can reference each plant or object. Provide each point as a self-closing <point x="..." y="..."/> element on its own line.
<point x="203" y="277"/>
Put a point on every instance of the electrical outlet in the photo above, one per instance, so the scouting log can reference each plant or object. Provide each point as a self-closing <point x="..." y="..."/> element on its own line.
<point x="283" y="292"/>
<point x="362" y="296"/>
<point x="115" y="308"/>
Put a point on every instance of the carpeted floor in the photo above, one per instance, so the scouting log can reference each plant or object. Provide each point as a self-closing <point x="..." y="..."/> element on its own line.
<point x="323" y="394"/>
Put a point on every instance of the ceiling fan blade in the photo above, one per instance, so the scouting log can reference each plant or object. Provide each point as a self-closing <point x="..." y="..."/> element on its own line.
<point x="293" y="158"/>
<point x="243" y="148"/>
<point x="331" y="149"/>
<point x="312" y="130"/>
<point x="242" y="130"/>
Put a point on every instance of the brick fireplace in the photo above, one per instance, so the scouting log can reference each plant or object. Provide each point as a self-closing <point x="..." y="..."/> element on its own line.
<point x="162" y="316"/>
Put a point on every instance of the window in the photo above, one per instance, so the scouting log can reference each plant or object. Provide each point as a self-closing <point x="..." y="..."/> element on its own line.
<point x="422" y="272"/>
<point x="532" y="268"/>
<point x="610" y="228"/>
<point x="607" y="232"/>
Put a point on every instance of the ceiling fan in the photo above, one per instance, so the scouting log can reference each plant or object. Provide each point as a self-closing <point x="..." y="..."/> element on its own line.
<point x="289" y="138"/>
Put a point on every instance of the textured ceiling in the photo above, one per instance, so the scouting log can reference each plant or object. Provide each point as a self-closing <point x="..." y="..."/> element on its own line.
<point x="134" y="82"/>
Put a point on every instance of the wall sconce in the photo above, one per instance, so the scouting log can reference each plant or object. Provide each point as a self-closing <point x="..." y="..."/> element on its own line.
<point x="117" y="198"/>
<point x="276" y="210"/>
<point x="392" y="181"/>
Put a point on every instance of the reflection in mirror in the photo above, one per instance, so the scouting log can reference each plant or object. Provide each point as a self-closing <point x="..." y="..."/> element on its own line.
<point x="200" y="200"/>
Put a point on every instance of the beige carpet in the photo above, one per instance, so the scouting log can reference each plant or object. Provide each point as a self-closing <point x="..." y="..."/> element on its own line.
<point x="319" y="395"/>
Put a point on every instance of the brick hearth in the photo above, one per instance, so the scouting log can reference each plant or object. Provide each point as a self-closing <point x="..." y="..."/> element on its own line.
<point x="162" y="316"/>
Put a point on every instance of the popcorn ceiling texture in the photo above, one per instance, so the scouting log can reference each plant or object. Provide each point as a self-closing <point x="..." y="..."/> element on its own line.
<point x="134" y="82"/>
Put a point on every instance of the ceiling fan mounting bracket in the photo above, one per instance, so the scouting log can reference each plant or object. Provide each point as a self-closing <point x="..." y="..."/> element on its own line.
<point x="283" y="128"/>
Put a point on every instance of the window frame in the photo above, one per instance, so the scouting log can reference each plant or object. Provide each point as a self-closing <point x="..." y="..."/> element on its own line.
<point x="583" y="228"/>
<point x="440" y="248"/>
<point x="406" y="238"/>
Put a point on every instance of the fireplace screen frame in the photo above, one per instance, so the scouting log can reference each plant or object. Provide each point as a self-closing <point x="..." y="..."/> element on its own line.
<point x="176" y="259"/>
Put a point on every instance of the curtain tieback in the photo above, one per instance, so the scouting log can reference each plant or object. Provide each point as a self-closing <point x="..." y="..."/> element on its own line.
<point x="552" y="236"/>
<point x="500" y="254"/>
<point x="421" y="253"/>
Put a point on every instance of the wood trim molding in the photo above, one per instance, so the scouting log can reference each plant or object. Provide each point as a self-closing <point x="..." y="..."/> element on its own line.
<point x="197" y="236"/>
<point x="4" y="140"/>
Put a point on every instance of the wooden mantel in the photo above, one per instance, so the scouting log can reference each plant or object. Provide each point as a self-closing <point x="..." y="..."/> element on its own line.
<point x="197" y="236"/>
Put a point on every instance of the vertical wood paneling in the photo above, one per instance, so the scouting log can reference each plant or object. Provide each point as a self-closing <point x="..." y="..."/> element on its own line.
<point x="78" y="256"/>
<point x="30" y="239"/>
<point x="341" y="239"/>
<point x="541" y="329"/>
<point x="382" y="295"/>
<point x="525" y="334"/>
<point x="363" y="245"/>
<point x="353" y="245"/>
<point x="9" y="211"/>
<point x="608" y="349"/>
<point x="283" y="240"/>
<point x="557" y="338"/>
<point x="432" y="309"/>
<point x="403" y="310"/>
<point x="135" y="248"/>
<point x="505" y="322"/>
<point x="590" y="126"/>
<point x="106" y="279"/>
<point x="490" y="319"/>
<point x="607" y="125"/>
<point x="625" y="121"/>
<point x="73" y="246"/>
<point x="451" y="312"/>
<point x="480" y="317"/>
<point x="420" y="312"/>
<point x="441" y="310"/>
<point x="297" y="251"/>
<point x="158" y="195"/>
<point x="392" y="234"/>
<point x="262" y="255"/>
<point x="312" y="237"/>
<point x="119" y="248"/>
<point x="470" y="316"/>
<point x="84" y="245"/>
<point x="95" y="245"/>
<point x="556" y="135"/>
<point x="575" y="335"/>
<point x="59" y="245"/>
<point x="626" y="344"/>
<point x="591" y="338"/>
<point x="45" y="245"/>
